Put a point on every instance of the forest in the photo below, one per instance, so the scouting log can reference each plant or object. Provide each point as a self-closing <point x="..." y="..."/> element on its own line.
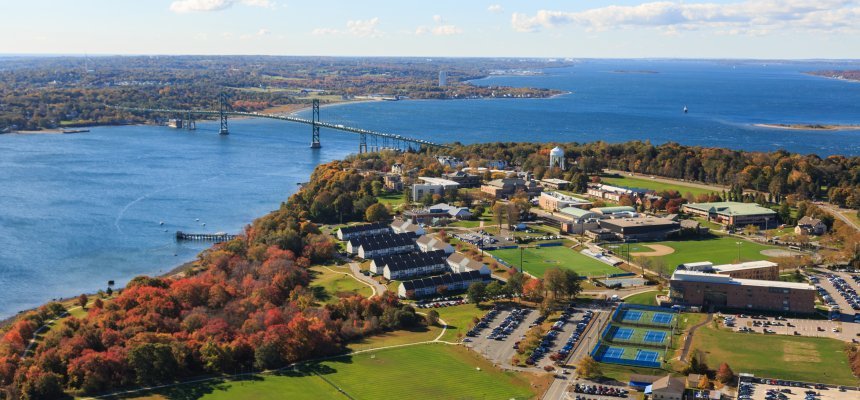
<point x="51" y="92"/>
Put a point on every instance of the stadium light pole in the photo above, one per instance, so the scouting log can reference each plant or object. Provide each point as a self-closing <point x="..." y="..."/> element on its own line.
<point x="739" y="251"/>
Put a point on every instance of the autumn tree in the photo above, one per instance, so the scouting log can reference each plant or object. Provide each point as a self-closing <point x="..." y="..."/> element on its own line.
<point x="724" y="374"/>
<point x="83" y="300"/>
<point x="432" y="318"/>
<point x="376" y="213"/>
<point x="587" y="368"/>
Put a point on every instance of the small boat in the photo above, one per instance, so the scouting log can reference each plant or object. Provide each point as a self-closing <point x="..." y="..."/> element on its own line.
<point x="685" y="109"/>
<point x="197" y="219"/>
<point x="161" y="223"/>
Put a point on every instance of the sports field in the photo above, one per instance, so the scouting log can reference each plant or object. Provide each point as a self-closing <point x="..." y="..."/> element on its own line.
<point x="432" y="371"/>
<point x="787" y="357"/>
<point x="637" y="335"/>
<point x="645" y="317"/>
<point x="640" y="183"/>
<point x="716" y="249"/>
<point x="538" y="260"/>
<point x="619" y="354"/>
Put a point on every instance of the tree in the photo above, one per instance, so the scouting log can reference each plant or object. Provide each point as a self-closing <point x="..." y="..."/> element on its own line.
<point x="495" y="289"/>
<point x="267" y="356"/>
<point x="725" y="374"/>
<point x="478" y="211"/>
<point x="750" y="230"/>
<point x="83" y="300"/>
<point x="477" y="292"/>
<point x="704" y="383"/>
<point x="432" y="318"/>
<point x="586" y="367"/>
<point x="499" y="211"/>
<point x="553" y="281"/>
<point x="376" y="213"/>
<point x="376" y="188"/>
<point x="152" y="363"/>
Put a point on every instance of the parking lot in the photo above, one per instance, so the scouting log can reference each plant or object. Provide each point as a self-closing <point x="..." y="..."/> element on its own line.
<point x="500" y="348"/>
<point x="846" y="331"/>
<point x="762" y="391"/>
<point x="839" y="291"/>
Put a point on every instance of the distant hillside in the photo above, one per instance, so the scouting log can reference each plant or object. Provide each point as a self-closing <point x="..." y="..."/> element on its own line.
<point x="851" y="75"/>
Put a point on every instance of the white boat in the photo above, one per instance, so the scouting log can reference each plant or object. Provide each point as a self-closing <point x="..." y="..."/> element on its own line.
<point x="685" y="109"/>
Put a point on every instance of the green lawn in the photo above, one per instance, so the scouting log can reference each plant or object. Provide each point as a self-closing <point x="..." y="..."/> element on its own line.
<point x="459" y="319"/>
<point x="538" y="260"/>
<point x="641" y="183"/>
<point x="329" y="286"/>
<point x="395" y="198"/>
<point x="644" y="298"/>
<point x="716" y="249"/>
<point x="786" y="357"/>
<point x="432" y="371"/>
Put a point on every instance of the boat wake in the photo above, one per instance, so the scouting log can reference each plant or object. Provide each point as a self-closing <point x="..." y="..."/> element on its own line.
<point x="150" y="194"/>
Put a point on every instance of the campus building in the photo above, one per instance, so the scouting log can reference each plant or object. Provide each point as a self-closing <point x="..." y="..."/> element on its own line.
<point x="410" y="265"/>
<point x="692" y="288"/>
<point x="576" y="220"/>
<point x="406" y="226"/>
<point x="392" y="182"/>
<point x="733" y="213"/>
<point x="506" y="187"/>
<point x="626" y="211"/>
<point x="368" y="247"/>
<point x="555" y="184"/>
<point x="436" y="284"/>
<point x="464" y="179"/>
<point x="810" y="226"/>
<point x="460" y="263"/>
<point x="554" y="201"/>
<point x="761" y="270"/>
<point x="614" y="193"/>
<point x="429" y="243"/>
<point x="441" y="210"/>
<point x="640" y="229"/>
<point x="668" y="388"/>
<point x="432" y="186"/>
<point x="354" y="231"/>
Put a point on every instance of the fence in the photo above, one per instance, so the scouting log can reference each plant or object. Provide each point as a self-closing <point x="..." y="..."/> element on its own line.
<point x="598" y="354"/>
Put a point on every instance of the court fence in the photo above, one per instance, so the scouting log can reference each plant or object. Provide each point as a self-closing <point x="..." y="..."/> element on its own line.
<point x="599" y="355"/>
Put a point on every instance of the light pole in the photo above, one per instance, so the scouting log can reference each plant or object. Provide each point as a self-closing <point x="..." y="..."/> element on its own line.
<point x="739" y="251"/>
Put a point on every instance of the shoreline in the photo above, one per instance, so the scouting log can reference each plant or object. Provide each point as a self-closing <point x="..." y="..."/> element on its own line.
<point x="809" y="127"/>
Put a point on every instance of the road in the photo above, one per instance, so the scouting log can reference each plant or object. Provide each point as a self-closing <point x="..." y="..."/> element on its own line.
<point x="559" y="386"/>
<point x="378" y="288"/>
<point x="835" y="211"/>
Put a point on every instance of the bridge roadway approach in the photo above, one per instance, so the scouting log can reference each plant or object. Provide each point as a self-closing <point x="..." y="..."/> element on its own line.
<point x="389" y="140"/>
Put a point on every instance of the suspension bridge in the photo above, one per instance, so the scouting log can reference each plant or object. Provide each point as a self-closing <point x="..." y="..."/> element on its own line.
<point x="377" y="140"/>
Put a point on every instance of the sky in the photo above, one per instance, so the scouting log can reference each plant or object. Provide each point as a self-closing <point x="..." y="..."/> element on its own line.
<point x="773" y="29"/>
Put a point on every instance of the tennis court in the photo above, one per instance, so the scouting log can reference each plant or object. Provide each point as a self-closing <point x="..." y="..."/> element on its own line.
<point x="613" y="352"/>
<point x="655" y="336"/>
<point x="631" y="316"/>
<point x="647" y="355"/>
<point x="662" y="318"/>
<point x="623" y="334"/>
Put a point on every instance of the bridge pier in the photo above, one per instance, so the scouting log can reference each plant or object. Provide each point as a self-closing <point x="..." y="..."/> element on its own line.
<point x="362" y="143"/>
<point x="222" y="112"/>
<point x="190" y="124"/>
<point x="315" y="129"/>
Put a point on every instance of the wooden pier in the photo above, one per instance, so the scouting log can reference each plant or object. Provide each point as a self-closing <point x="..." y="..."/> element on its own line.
<point x="209" y="237"/>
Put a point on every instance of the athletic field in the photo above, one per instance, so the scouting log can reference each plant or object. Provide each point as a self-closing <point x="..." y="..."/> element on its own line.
<point x="628" y="355"/>
<point x="537" y="260"/>
<point x="717" y="249"/>
<point x="427" y="371"/>
<point x="640" y="183"/>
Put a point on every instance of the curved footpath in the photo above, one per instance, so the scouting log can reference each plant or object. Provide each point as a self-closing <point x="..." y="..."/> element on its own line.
<point x="688" y="341"/>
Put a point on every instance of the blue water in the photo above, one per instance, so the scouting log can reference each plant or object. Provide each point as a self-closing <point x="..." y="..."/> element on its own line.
<point x="724" y="100"/>
<point x="79" y="210"/>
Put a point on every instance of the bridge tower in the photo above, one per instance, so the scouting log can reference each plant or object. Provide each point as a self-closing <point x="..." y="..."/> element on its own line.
<point x="385" y="142"/>
<point x="362" y="143"/>
<point x="374" y="145"/>
<point x="222" y="112"/>
<point x="315" y="129"/>
<point x="190" y="124"/>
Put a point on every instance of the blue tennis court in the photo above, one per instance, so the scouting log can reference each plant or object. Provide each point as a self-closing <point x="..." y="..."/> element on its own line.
<point x="655" y="336"/>
<point x="661" y="318"/>
<point x="631" y="315"/>
<point x="646" y="355"/>
<point x="623" y="334"/>
<point x="613" y="352"/>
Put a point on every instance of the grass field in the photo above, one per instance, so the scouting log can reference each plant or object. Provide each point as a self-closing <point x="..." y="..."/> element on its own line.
<point x="395" y="198"/>
<point x="423" y="371"/>
<point x="787" y="357"/>
<point x="655" y="185"/>
<point x="538" y="260"/>
<point x="459" y="319"/>
<point x="716" y="249"/>
<point x="644" y="298"/>
<point x="329" y="286"/>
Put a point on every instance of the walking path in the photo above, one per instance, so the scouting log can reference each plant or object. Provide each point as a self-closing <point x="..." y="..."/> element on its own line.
<point x="353" y="276"/>
<point x="378" y="288"/>
<point x="835" y="211"/>
<point x="689" y="339"/>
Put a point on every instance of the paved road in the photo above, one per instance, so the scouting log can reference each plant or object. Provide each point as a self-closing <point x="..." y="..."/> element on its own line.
<point x="835" y="211"/>
<point x="559" y="387"/>
<point x="378" y="288"/>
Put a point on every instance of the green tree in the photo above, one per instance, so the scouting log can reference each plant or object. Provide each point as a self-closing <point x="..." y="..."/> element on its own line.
<point x="784" y="212"/>
<point x="376" y="188"/>
<point x="216" y="358"/>
<point x="152" y="363"/>
<point x="477" y="292"/>
<point x="432" y="318"/>
<point x="495" y="289"/>
<point x="267" y="356"/>
<point x="376" y="213"/>
<point x="587" y="368"/>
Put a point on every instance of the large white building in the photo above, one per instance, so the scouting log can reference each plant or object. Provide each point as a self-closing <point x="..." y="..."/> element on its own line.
<point x="432" y="186"/>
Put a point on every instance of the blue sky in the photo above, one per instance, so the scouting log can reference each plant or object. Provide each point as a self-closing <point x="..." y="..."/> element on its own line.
<point x="576" y="28"/>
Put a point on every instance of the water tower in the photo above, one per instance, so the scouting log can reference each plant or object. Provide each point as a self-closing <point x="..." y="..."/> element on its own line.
<point x="556" y="157"/>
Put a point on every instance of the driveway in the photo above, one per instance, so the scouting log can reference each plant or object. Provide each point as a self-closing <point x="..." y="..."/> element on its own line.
<point x="378" y="288"/>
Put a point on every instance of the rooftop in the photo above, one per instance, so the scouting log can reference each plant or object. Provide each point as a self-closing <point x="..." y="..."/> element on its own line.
<point x="554" y="180"/>
<point x="610" y="210"/>
<point x="438" y="181"/>
<point x="647" y="221"/>
<point x="576" y="212"/>
<point x="731" y="208"/>
<point x="693" y="276"/>
<point x="745" y="265"/>
<point x="564" y="197"/>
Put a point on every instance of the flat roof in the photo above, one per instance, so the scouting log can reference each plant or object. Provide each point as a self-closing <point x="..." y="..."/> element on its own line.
<point x="554" y="180"/>
<point x="731" y="208"/>
<point x="577" y="212"/>
<point x="745" y="265"/>
<point x="438" y="181"/>
<point x="565" y="197"/>
<point x="629" y="222"/>
<point x="604" y="210"/>
<point x="693" y="276"/>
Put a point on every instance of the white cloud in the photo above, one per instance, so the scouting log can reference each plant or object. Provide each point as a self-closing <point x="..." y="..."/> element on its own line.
<point x="495" y="8"/>
<point x="441" y="28"/>
<point x="263" y="32"/>
<point x="746" y="17"/>
<point x="360" y="28"/>
<point x="188" y="6"/>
